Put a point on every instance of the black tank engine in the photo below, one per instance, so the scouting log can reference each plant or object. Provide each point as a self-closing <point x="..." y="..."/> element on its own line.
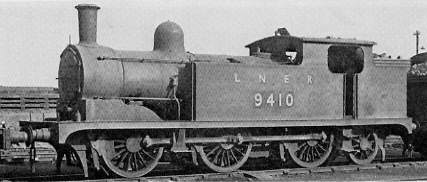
<point x="301" y="99"/>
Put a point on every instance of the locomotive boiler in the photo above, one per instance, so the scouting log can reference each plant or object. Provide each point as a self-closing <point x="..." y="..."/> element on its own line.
<point x="301" y="99"/>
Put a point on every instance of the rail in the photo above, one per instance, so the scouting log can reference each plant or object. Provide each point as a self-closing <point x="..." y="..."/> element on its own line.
<point x="293" y="174"/>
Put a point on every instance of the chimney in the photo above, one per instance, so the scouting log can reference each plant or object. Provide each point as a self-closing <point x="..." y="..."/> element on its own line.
<point x="87" y="23"/>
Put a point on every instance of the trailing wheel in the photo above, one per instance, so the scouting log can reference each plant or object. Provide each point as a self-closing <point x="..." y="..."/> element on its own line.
<point x="365" y="148"/>
<point x="127" y="158"/>
<point x="311" y="153"/>
<point x="224" y="157"/>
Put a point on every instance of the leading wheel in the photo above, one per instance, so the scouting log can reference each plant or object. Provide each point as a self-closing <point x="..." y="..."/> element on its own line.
<point x="127" y="158"/>
<point x="311" y="153"/>
<point x="224" y="157"/>
<point x="366" y="148"/>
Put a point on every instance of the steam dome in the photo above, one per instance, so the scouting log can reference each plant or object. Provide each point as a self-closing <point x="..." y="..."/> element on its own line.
<point x="169" y="38"/>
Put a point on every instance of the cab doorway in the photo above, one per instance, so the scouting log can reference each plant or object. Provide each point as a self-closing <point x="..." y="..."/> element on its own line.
<point x="348" y="61"/>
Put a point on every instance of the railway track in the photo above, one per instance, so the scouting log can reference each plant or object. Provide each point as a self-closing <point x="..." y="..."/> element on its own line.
<point x="337" y="169"/>
<point x="276" y="174"/>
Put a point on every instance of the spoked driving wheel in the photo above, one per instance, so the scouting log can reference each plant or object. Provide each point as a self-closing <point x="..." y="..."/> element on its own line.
<point x="224" y="157"/>
<point x="366" y="148"/>
<point x="127" y="158"/>
<point x="311" y="153"/>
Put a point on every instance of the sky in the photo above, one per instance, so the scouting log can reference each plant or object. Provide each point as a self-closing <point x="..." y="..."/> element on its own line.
<point x="34" y="33"/>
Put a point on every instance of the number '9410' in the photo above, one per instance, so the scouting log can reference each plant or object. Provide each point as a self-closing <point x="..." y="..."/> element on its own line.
<point x="272" y="100"/>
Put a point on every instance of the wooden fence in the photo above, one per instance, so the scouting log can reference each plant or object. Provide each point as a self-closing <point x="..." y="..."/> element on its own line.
<point x="22" y="102"/>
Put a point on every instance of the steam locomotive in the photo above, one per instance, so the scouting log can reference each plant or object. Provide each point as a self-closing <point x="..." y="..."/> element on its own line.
<point x="301" y="99"/>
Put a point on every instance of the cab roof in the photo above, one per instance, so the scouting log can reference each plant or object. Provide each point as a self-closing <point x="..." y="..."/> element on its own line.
<point x="327" y="40"/>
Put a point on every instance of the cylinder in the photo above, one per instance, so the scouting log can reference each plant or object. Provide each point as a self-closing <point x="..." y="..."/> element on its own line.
<point x="87" y="23"/>
<point x="18" y="136"/>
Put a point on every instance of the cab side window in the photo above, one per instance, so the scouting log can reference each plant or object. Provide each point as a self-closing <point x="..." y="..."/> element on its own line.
<point x="345" y="59"/>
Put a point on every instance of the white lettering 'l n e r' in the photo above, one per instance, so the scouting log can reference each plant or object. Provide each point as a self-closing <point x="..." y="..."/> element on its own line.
<point x="236" y="78"/>
<point x="286" y="78"/>
<point x="261" y="78"/>
<point x="310" y="79"/>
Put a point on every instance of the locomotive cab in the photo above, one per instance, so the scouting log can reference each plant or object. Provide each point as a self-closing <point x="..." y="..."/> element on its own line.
<point x="344" y="58"/>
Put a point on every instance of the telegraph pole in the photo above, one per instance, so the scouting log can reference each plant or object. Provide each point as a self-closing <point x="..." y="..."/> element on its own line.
<point x="417" y="38"/>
